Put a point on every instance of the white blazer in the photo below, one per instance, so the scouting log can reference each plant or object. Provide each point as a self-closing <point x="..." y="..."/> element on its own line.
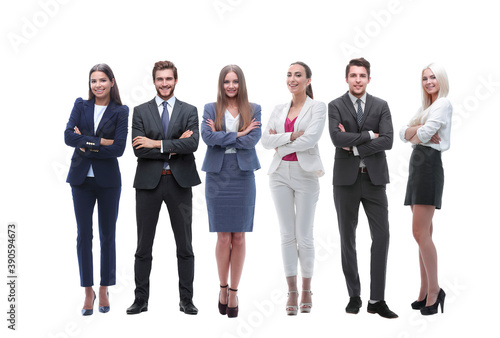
<point x="311" y="120"/>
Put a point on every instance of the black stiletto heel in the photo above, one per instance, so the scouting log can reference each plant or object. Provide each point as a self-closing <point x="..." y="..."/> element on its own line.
<point x="433" y="309"/>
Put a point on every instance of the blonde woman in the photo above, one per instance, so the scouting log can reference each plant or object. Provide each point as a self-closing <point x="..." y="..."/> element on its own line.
<point x="429" y="132"/>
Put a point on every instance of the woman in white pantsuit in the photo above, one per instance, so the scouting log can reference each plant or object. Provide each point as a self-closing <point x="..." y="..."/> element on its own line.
<point x="294" y="130"/>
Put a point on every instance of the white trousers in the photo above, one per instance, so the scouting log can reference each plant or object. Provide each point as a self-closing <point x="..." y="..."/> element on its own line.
<point x="295" y="193"/>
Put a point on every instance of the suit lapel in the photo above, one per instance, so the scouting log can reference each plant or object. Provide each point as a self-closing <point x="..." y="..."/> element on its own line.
<point x="89" y="116"/>
<point x="154" y="114"/>
<point x="368" y="106"/>
<point x="106" y="116"/>
<point x="282" y="118"/>
<point x="349" y="106"/>
<point x="174" y="114"/>
<point x="303" y="111"/>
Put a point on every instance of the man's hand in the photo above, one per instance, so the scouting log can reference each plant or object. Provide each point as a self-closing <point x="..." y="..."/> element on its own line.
<point x="144" y="142"/>
<point x="185" y="134"/>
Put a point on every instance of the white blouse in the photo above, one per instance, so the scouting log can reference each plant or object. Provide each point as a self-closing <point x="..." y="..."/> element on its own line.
<point x="232" y="125"/>
<point x="438" y="120"/>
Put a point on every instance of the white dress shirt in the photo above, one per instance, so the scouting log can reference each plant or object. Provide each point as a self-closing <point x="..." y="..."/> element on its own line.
<point x="232" y="125"/>
<point x="98" y="112"/>
<point x="355" y="104"/>
<point x="438" y="120"/>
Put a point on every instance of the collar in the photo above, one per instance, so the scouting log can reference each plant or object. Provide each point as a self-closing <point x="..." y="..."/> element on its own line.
<point x="354" y="98"/>
<point x="170" y="101"/>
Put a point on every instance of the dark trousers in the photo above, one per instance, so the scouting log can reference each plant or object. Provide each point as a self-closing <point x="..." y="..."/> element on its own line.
<point x="179" y="205"/>
<point x="374" y="199"/>
<point x="84" y="199"/>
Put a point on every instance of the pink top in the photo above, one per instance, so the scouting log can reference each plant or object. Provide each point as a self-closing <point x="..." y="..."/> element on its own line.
<point x="289" y="126"/>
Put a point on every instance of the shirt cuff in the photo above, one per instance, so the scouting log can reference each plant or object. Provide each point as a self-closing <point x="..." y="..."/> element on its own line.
<point x="355" y="150"/>
<point x="372" y="134"/>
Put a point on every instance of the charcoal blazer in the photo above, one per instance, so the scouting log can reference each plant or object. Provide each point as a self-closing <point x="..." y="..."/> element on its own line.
<point x="113" y="125"/>
<point x="377" y="118"/>
<point x="146" y="122"/>
<point x="217" y="142"/>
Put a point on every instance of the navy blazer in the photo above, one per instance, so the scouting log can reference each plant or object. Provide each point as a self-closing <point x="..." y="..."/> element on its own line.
<point x="218" y="141"/>
<point x="113" y="125"/>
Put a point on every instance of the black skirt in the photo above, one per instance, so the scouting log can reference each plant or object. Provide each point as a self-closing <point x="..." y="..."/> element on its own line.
<point x="426" y="177"/>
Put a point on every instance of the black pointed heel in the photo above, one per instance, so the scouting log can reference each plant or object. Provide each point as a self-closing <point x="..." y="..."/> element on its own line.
<point x="433" y="309"/>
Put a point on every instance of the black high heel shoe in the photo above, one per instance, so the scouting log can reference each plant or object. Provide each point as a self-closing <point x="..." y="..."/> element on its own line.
<point x="232" y="312"/>
<point x="433" y="309"/>
<point x="417" y="305"/>
<point x="222" y="307"/>
<point x="88" y="312"/>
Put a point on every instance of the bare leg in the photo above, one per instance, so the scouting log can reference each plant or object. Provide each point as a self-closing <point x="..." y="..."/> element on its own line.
<point x="103" y="296"/>
<point x="238" y="248"/>
<point x="306" y="296"/>
<point x="89" y="298"/>
<point x="223" y="256"/>
<point x="422" y="232"/>
<point x="292" y="296"/>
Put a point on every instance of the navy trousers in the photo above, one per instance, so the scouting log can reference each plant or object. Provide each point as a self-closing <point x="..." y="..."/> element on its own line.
<point x="84" y="199"/>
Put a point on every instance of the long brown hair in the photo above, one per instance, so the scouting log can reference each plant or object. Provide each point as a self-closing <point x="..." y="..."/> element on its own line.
<point x="244" y="107"/>
<point x="114" y="92"/>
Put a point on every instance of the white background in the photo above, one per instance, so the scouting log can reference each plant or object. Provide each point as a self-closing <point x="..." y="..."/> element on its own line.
<point x="48" y="47"/>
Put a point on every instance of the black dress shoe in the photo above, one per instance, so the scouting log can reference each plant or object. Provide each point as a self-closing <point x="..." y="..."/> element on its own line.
<point x="188" y="307"/>
<point x="354" y="305"/>
<point x="382" y="309"/>
<point x="140" y="305"/>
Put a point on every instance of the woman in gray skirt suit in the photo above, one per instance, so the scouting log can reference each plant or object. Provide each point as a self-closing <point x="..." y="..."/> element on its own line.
<point x="231" y="129"/>
<point x="429" y="132"/>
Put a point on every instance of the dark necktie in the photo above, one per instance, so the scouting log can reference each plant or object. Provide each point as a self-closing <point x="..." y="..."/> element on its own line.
<point x="164" y="118"/>
<point x="360" y="112"/>
<point x="164" y="122"/>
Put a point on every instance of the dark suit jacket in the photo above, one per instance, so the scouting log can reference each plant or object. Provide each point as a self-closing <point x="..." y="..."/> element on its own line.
<point x="376" y="117"/>
<point x="113" y="125"/>
<point x="146" y="121"/>
<point x="218" y="141"/>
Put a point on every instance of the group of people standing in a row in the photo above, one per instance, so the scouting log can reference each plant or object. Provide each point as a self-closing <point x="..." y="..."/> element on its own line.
<point x="165" y="134"/>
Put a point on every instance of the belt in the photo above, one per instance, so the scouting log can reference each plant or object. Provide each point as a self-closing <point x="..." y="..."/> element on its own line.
<point x="363" y="170"/>
<point x="166" y="172"/>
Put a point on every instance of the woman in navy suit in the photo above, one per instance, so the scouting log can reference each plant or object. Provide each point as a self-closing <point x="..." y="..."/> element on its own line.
<point x="231" y="129"/>
<point x="293" y="131"/>
<point x="97" y="129"/>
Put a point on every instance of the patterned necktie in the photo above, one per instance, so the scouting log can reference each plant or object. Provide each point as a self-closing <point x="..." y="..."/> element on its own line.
<point x="164" y="122"/>
<point x="360" y="112"/>
<point x="164" y="118"/>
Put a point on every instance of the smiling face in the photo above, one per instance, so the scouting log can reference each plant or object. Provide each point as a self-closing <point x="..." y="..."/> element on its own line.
<point x="231" y="85"/>
<point x="430" y="83"/>
<point x="101" y="87"/>
<point x="296" y="79"/>
<point x="165" y="83"/>
<point x="357" y="79"/>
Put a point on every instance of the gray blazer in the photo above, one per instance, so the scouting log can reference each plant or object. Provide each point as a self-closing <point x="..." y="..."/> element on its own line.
<point x="146" y="122"/>
<point x="376" y="117"/>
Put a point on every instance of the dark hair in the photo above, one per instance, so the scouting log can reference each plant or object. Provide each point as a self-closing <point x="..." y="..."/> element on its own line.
<point x="244" y="107"/>
<point x="114" y="93"/>
<point x="361" y="62"/>
<point x="309" y="90"/>
<point x="160" y="65"/>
